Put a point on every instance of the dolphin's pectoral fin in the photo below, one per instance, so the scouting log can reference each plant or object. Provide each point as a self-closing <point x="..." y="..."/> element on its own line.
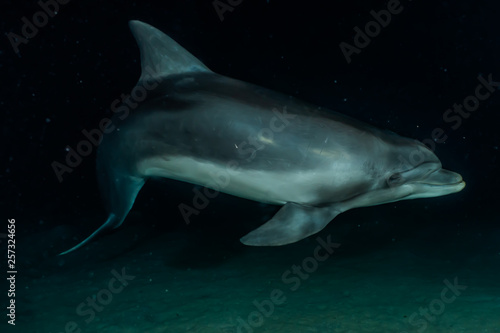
<point x="291" y="223"/>
<point x="111" y="222"/>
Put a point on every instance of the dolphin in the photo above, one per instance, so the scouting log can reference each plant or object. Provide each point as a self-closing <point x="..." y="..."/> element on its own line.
<point x="203" y="128"/>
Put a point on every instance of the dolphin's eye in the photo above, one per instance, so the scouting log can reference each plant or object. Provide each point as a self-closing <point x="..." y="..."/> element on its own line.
<point x="394" y="179"/>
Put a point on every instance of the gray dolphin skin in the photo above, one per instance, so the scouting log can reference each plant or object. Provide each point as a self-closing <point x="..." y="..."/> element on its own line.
<point x="203" y="128"/>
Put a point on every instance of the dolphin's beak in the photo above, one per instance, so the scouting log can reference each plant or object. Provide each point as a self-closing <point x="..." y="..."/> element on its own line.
<point x="442" y="177"/>
<point x="438" y="183"/>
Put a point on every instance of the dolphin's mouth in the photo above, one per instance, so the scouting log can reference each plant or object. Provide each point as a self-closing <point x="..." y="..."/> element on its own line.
<point x="443" y="179"/>
<point x="435" y="184"/>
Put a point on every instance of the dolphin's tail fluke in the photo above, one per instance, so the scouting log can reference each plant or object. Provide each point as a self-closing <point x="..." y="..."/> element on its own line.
<point x="112" y="222"/>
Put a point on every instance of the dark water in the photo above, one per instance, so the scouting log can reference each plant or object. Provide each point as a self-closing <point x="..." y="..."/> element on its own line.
<point x="426" y="265"/>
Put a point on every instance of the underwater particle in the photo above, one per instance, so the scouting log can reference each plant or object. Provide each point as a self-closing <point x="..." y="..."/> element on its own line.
<point x="61" y="262"/>
<point x="47" y="120"/>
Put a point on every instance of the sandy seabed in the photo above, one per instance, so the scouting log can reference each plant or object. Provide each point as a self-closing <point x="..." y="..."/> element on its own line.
<point x="180" y="282"/>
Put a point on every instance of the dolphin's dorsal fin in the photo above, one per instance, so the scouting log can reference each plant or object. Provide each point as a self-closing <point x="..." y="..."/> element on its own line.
<point x="160" y="55"/>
